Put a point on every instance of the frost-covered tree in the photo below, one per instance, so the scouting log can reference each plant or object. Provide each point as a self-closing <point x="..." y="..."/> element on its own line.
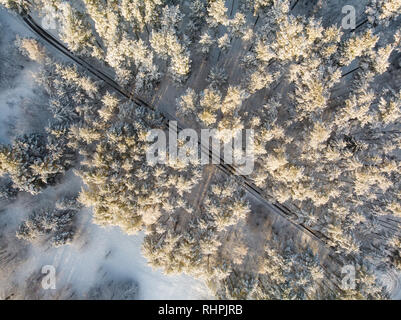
<point x="237" y="25"/>
<point x="135" y="54"/>
<point x="76" y="32"/>
<point x="209" y="103"/>
<point x="32" y="49"/>
<point x="53" y="225"/>
<point x="32" y="162"/>
<point x="196" y="18"/>
<point x="133" y="12"/>
<point x="383" y="11"/>
<point x="187" y="103"/>
<point x="357" y="46"/>
<point x="206" y="41"/>
<point x="217" y="13"/>
<point x="217" y="77"/>
<point x="17" y="5"/>
<point x="225" y="204"/>
<point x="167" y="44"/>
<point x="223" y="43"/>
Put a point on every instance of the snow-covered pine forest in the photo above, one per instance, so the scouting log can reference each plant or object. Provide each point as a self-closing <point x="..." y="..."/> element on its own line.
<point x="324" y="102"/>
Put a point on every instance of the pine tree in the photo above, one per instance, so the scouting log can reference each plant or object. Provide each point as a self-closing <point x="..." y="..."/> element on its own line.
<point x="357" y="46"/>
<point x="16" y="5"/>
<point x="206" y="41"/>
<point x="217" y="77"/>
<point x="76" y="32"/>
<point x="56" y="226"/>
<point x="32" y="49"/>
<point x="196" y="18"/>
<point x="166" y="43"/>
<point x="217" y="13"/>
<point x="31" y="163"/>
<point x="209" y="103"/>
<point x="383" y="11"/>
<point x="226" y="205"/>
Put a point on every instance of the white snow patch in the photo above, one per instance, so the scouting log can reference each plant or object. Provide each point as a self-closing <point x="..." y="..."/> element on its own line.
<point x="109" y="249"/>
<point x="11" y="101"/>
